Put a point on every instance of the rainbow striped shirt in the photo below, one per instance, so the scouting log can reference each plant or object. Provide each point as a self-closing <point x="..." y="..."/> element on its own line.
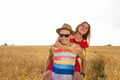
<point x="64" y="62"/>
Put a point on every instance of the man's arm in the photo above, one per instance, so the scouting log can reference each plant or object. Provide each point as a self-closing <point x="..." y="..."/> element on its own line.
<point x="49" y="58"/>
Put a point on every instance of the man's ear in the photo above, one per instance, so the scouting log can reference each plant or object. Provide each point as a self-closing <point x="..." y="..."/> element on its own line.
<point x="58" y="39"/>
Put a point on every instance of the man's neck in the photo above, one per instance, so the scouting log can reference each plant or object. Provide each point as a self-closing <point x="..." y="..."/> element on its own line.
<point x="68" y="44"/>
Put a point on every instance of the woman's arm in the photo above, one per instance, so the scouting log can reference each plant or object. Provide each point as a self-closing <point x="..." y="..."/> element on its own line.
<point x="83" y="61"/>
<point x="60" y="46"/>
<point x="71" y="48"/>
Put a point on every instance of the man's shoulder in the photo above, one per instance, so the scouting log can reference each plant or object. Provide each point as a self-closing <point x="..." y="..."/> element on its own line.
<point x="52" y="47"/>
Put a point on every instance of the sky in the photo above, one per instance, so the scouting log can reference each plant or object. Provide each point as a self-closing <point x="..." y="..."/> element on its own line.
<point x="34" y="22"/>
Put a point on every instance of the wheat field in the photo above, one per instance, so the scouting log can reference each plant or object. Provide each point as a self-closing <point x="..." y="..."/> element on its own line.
<point x="27" y="62"/>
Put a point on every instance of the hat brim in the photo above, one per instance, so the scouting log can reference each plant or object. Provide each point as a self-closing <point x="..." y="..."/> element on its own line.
<point x="59" y="29"/>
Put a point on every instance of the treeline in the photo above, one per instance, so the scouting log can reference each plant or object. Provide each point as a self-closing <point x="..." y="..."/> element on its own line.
<point x="5" y="44"/>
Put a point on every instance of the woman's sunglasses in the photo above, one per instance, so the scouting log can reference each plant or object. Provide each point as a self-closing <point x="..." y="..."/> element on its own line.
<point x="64" y="35"/>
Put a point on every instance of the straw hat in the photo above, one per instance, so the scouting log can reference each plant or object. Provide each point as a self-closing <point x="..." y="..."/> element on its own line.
<point x="65" y="26"/>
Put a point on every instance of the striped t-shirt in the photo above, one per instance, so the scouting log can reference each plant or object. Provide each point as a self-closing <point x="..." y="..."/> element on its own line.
<point x="63" y="63"/>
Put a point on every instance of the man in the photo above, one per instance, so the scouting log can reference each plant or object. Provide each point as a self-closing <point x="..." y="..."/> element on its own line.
<point x="63" y="60"/>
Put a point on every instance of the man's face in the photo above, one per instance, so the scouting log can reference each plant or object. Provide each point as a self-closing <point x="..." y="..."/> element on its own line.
<point x="64" y="36"/>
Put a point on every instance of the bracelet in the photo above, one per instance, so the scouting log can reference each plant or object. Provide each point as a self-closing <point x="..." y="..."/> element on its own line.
<point x="83" y="74"/>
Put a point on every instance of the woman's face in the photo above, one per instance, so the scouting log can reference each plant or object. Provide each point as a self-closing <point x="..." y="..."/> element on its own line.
<point x="83" y="29"/>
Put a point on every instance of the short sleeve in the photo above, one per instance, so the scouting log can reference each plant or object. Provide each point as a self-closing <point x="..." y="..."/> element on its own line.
<point x="77" y="66"/>
<point x="50" y="66"/>
<point x="84" y="44"/>
<point x="72" y="39"/>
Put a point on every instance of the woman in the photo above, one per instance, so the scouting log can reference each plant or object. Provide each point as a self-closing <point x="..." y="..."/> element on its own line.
<point x="81" y="37"/>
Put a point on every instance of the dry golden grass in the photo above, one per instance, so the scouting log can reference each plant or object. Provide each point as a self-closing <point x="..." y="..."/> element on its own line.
<point x="22" y="63"/>
<point x="27" y="62"/>
<point x="103" y="63"/>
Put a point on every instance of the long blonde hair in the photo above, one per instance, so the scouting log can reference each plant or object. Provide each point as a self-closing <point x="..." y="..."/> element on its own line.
<point x="87" y="35"/>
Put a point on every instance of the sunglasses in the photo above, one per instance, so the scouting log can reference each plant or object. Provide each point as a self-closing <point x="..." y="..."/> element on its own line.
<point x="64" y="35"/>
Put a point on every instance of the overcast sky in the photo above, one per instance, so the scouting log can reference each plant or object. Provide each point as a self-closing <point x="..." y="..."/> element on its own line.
<point x="34" y="22"/>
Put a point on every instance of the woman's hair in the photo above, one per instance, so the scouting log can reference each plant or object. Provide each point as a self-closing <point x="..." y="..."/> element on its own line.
<point x="87" y="35"/>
